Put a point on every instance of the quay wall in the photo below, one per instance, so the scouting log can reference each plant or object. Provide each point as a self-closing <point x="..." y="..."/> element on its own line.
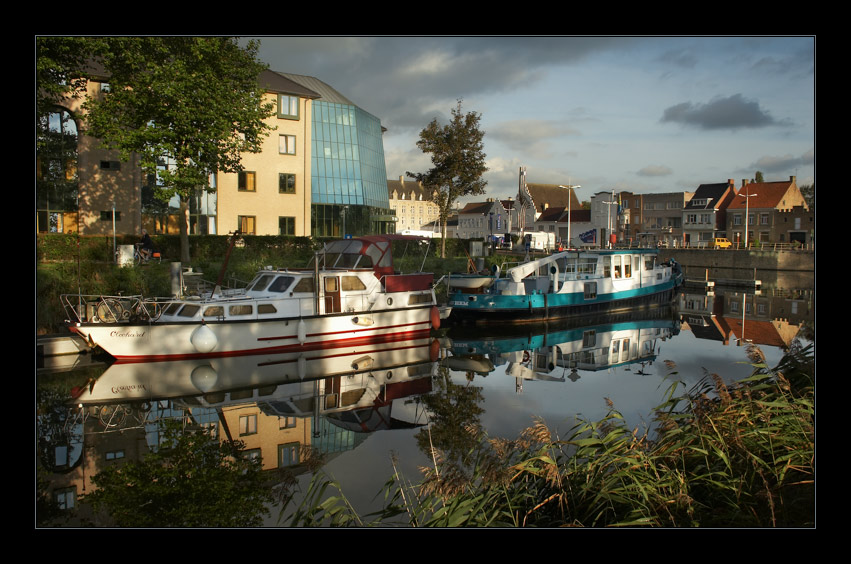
<point x="775" y="269"/>
<point x="798" y="261"/>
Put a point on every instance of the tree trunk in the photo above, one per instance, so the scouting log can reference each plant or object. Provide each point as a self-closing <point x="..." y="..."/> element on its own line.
<point x="183" y="219"/>
<point x="443" y="239"/>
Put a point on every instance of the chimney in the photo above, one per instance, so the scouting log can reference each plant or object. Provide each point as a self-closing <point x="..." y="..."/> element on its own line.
<point x="792" y="179"/>
<point x="731" y="182"/>
<point x="744" y="182"/>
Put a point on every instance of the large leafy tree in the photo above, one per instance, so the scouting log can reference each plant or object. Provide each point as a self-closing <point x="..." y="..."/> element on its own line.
<point x="459" y="162"/>
<point x="192" y="103"/>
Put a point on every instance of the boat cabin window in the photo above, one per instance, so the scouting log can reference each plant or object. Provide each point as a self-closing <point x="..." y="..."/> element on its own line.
<point x="352" y="284"/>
<point x="172" y="308"/>
<point x="586" y="266"/>
<point x="649" y="261"/>
<point x="261" y="282"/>
<point x="416" y="299"/>
<point x="627" y="267"/>
<point x="243" y="309"/>
<point x="266" y="309"/>
<point x="636" y="264"/>
<point x="214" y="311"/>
<point x="616" y="266"/>
<point x="281" y="284"/>
<point x="189" y="310"/>
<point x="304" y="285"/>
<point x="590" y="290"/>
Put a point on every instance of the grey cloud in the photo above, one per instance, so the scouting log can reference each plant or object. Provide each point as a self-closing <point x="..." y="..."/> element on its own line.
<point x="408" y="81"/>
<point x="733" y="112"/>
<point x="655" y="170"/>
<point x="782" y="164"/>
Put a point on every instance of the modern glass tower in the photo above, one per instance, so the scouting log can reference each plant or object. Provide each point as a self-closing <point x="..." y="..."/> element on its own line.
<point x="348" y="177"/>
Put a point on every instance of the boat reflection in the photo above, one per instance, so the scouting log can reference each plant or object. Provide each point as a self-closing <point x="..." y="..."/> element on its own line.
<point x="557" y="352"/>
<point x="276" y="404"/>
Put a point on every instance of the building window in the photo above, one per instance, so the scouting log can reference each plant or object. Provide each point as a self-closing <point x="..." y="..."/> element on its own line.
<point x="110" y="165"/>
<point x="286" y="144"/>
<point x="288" y="454"/>
<point x="737" y="219"/>
<point x="107" y="215"/>
<point x="288" y="106"/>
<point x="247" y="424"/>
<point x="247" y="181"/>
<point x="286" y="225"/>
<point x="115" y="455"/>
<point x="247" y="224"/>
<point x="286" y="183"/>
<point x="286" y="422"/>
<point x="66" y="498"/>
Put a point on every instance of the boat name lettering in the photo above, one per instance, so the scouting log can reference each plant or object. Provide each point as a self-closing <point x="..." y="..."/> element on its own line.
<point x="133" y="388"/>
<point x="128" y="333"/>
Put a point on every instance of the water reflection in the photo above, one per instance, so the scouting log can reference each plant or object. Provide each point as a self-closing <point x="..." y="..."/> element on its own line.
<point x="424" y="392"/>
<point x="559" y="352"/>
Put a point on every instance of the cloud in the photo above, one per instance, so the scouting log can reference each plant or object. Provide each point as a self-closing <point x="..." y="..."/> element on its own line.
<point x="655" y="170"/>
<point x="733" y="112"/>
<point x="529" y="137"/>
<point x="785" y="163"/>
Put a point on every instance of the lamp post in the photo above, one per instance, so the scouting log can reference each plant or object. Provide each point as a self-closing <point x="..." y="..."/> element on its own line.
<point x="609" y="220"/>
<point x="747" y="214"/>
<point x="569" y="199"/>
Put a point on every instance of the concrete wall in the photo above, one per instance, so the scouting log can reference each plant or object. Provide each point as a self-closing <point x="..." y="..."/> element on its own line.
<point x="800" y="261"/>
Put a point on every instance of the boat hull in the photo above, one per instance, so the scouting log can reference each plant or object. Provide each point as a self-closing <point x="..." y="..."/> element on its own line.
<point x="157" y="341"/>
<point x="537" y="308"/>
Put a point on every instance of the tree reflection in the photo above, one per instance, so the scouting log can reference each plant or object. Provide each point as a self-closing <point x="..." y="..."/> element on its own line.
<point x="454" y="409"/>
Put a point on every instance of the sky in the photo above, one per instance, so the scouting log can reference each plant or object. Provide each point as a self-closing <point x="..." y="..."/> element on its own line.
<point x="640" y="114"/>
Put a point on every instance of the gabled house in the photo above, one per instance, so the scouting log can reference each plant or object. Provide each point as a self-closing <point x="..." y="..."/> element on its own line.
<point x="414" y="205"/>
<point x="481" y="220"/>
<point x="705" y="215"/>
<point x="769" y="212"/>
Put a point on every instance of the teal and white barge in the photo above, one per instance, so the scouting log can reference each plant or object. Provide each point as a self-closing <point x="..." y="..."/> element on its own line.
<point x="569" y="283"/>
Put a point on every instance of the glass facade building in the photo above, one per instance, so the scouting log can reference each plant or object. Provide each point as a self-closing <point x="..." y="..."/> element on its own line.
<point x="348" y="176"/>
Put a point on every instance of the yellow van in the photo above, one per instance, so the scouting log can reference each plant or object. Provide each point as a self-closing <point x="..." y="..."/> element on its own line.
<point x="720" y="243"/>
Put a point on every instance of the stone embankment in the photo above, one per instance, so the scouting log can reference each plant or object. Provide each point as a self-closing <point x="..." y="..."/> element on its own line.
<point x="788" y="269"/>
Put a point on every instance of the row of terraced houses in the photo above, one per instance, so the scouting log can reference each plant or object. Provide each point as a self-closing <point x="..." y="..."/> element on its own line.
<point x="322" y="173"/>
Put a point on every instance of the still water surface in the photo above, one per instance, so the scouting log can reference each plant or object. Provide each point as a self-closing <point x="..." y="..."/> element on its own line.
<point x="362" y="408"/>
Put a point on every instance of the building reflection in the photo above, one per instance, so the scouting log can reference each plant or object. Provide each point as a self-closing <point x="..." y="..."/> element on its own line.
<point x="278" y="406"/>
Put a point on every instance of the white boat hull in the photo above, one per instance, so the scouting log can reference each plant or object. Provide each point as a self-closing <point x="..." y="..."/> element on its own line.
<point x="172" y="341"/>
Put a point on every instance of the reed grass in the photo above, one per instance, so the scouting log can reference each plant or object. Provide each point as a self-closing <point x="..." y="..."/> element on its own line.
<point x="718" y="455"/>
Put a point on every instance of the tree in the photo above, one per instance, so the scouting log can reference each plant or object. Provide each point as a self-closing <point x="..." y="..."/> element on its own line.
<point x="758" y="177"/>
<point x="191" y="103"/>
<point x="192" y="480"/>
<point x="458" y="159"/>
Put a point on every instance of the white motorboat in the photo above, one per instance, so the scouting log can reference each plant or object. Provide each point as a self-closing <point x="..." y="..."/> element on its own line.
<point x="349" y="296"/>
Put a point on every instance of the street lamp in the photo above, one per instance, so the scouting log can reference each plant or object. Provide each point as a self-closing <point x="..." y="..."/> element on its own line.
<point x="609" y="225"/>
<point x="747" y="214"/>
<point x="569" y="199"/>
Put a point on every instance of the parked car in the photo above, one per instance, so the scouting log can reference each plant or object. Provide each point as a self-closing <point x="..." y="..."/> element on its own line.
<point x="720" y="243"/>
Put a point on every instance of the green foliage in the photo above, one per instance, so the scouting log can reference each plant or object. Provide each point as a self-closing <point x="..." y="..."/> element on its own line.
<point x="192" y="480"/>
<point x="457" y="153"/>
<point x="193" y="100"/>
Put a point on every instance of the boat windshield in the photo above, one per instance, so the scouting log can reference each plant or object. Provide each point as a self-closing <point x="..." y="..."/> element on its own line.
<point x="346" y="254"/>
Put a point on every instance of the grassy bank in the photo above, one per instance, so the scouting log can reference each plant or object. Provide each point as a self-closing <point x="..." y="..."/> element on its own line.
<point x="67" y="264"/>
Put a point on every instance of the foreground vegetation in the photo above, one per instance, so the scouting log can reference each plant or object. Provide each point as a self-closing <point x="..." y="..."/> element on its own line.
<point x="720" y="456"/>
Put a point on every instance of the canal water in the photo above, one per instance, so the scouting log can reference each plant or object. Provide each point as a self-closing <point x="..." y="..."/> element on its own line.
<point x="372" y="412"/>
